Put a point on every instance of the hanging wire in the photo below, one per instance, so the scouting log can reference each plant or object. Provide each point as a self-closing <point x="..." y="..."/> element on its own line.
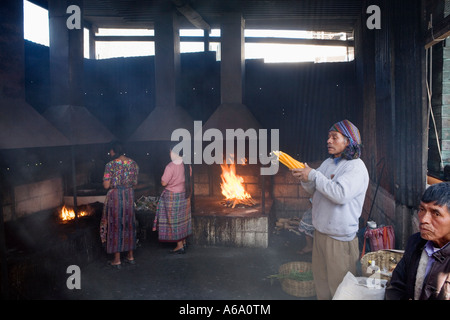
<point x="429" y="59"/>
<point x="430" y="27"/>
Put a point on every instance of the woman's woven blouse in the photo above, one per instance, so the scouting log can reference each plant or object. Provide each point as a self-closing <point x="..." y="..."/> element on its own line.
<point x="121" y="173"/>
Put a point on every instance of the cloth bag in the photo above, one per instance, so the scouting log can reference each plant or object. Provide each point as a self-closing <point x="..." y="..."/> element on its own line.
<point x="379" y="239"/>
<point x="355" y="288"/>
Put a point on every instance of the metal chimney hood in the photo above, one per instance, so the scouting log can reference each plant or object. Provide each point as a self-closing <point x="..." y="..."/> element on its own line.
<point x="21" y="126"/>
<point x="161" y="122"/>
<point x="232" y="114"/>
<point x="78" y="125"/>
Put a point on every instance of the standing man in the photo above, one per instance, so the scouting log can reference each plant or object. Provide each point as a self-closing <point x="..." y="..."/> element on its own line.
<point x="338" y="189"/>
<point x="424" y="271"/>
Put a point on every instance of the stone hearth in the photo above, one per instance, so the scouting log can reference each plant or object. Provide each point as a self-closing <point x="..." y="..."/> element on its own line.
<point x="217" y="225"/>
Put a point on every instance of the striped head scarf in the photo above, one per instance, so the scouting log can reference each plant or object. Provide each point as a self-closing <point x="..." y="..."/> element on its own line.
<point x="349" y="130"/>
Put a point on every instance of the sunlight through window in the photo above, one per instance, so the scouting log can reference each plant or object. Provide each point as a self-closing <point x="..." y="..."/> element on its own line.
<point x="35" y="26"/>
<point x="36" y="29"/>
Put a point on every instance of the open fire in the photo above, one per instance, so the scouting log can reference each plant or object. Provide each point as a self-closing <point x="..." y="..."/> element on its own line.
<point x="69" y="214"/>
<point x="233" y="188"/>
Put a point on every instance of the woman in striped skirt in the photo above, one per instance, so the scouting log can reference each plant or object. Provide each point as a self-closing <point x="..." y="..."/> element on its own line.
<point x="173" y="215"/>
<point x="118" y="224"/>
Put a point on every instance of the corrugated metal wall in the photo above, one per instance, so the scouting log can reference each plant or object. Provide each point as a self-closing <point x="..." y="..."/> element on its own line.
<point x="393" y="75"/>
<point x="384" y="82"/>
<point x="401" y="115"/>
<point x="399" y="95"/>
<point x="411" y="125"/>
<point x="303" y="101"/>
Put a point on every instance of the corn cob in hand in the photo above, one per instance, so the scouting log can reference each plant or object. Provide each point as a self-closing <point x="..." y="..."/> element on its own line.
<point x="287" y="160"/>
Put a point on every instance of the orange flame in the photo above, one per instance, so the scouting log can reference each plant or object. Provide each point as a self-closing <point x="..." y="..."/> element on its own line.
<point x="232" y="184"/>
<point x="69" y="214"/>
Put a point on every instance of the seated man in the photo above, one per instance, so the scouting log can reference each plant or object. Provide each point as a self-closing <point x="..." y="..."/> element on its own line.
<point x="424" y="271"/>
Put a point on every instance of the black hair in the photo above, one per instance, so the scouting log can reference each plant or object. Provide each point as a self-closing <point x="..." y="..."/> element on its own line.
<point x="187" y="180"/>
<point x="118" y="148"/>
<point x="438" y="193"/>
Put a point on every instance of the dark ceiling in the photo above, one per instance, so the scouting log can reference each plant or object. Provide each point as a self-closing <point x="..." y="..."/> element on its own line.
<point x="315" y="15"/>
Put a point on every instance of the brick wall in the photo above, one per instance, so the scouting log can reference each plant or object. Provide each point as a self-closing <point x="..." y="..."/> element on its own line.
<point x="34" y="197"/>
<point x="250" y="173"/>
<point x="290" y="199"/>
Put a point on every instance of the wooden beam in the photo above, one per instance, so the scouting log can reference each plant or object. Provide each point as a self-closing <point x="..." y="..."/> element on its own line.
<point x="438" y="33"/>
<point x="317" y="42"/>
<point x="193" y="16"/>
<point x="124" y="38"/>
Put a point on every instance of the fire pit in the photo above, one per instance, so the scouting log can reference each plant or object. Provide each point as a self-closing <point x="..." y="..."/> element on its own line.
<point x="215" y="224"/>
<point x="237" y="215"/>
<point x="67" y="214"/>
<point x="41" y="246"/>
<point x="233" y="188"/>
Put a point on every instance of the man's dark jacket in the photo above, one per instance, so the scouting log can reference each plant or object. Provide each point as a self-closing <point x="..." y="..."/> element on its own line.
<point x="437" y="283"/>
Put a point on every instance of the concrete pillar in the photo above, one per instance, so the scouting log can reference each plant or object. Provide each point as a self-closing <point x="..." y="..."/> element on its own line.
<point x="92" y="50"/>
<point x="21" y="126"/>
<point x="12" y="68"/>
<point x="232" y="113"/>
<point x="167" y="60"/>
<point x="66" y="55"/>
<point x="232" y="58"/>
<point x="167" y="115"/>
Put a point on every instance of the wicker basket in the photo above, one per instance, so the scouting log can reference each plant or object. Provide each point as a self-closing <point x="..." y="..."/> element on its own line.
<point x="386" y="260"/>
<point x="296" y="288"/>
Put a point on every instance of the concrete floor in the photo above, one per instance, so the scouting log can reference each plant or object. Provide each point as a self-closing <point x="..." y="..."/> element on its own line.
<point x="203" y="273"/>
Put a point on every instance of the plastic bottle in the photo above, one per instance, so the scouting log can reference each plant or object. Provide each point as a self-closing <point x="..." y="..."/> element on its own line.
<point x="372" y="224"/>
<point x="373" y="268"/>
<point x="374" y="279"/>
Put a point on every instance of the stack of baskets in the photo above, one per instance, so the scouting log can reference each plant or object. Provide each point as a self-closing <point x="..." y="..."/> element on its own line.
<point x="386" y="260"/>
<point x="302" y="289"/>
